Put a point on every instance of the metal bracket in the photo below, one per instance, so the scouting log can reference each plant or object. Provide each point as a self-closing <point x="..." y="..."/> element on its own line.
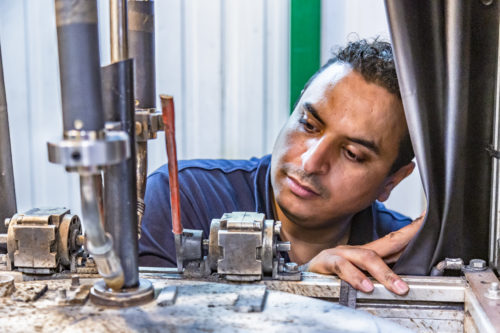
<point x="347" y="295"/>
<point x="147" y="123"/>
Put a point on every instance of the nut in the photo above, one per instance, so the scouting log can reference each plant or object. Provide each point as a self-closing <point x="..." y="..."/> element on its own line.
<point x="291" y="267"/>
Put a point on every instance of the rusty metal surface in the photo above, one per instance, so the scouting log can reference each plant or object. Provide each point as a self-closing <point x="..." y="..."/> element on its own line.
<point x="484" y="312"/>
<point x="199" y="307"/>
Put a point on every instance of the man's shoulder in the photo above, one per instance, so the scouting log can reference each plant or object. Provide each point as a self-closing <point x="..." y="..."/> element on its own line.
<point x="216" y="166"/>
<point x="388" y="220"/>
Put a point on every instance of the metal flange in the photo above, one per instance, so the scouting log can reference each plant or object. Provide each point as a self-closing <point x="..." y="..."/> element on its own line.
<point x="100" y="294"/>
<point x="89" y="150"/>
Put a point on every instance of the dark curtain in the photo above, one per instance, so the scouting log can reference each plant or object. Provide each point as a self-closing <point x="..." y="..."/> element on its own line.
<point x="446" y="60"/>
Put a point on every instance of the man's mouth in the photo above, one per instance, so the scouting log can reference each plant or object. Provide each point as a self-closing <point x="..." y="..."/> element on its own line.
<point x="300" y="189"/>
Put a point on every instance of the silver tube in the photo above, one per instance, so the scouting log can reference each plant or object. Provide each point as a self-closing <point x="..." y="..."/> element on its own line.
<point x="118" y="30"/>
<point x="495" y="169"/>
<point x="7" y="189"/>
<point x="99" y="244"/>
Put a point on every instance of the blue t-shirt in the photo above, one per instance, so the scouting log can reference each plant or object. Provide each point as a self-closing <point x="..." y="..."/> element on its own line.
<point x="210" y="188"/>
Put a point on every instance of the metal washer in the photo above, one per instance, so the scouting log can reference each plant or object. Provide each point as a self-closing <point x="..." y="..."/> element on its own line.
<point x="102" y="295"/>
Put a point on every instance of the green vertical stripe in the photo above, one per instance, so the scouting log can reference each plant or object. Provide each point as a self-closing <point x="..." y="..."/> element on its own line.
<point x="305" y="35"/>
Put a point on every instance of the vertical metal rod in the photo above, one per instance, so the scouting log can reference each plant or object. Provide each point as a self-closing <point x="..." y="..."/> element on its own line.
<point x="168" y="115"/>
<point x="81" y="92"/>
<point x="494" y="248"/>
<point x="79" y="65"/>
<point x="141" y="35"/>
<point x="118" y="30"/>
<point x="89" y="188"/>
<point x="142" y="49"/>
<point x="7" y="189"/>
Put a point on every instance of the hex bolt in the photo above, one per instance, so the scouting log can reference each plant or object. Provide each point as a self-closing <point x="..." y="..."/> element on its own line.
<point x="477" y="263"/>
<point x="75" y="281"/>
<point x="493" y="291"/>
<point x="291" y="267"/>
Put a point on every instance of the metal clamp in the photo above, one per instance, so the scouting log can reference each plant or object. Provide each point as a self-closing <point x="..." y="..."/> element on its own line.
<point x="43" y="241"/>
<point x="244" y="247"/>
<point x="147" y="123"/>
<point x="90" y="151"/>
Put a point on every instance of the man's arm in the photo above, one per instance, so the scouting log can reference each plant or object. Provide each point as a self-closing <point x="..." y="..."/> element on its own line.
<point x="348" y="261"/>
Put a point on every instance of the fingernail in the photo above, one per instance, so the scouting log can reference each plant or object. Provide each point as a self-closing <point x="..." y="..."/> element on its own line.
<point x="401" y="287"/>
<point x="367" y="285"/>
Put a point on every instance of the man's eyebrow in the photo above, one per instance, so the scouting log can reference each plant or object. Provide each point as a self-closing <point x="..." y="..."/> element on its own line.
<point x="367" y="143"/>
<point x="309" y="108"/>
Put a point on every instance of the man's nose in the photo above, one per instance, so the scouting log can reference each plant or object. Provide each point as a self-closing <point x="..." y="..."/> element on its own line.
<point x="316" y="159"/>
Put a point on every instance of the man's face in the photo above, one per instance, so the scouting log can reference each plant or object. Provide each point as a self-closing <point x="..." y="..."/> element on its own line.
<point x="332" y="158"/>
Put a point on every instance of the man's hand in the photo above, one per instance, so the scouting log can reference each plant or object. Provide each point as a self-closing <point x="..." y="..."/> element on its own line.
<point x="346" y="261"/>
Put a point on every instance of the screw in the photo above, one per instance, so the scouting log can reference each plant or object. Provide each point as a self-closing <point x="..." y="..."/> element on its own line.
<point x="477" y="263"/>
<point x="75" y="281"/>
<point x="291" y="267"/>
<point x="283" y="246"/>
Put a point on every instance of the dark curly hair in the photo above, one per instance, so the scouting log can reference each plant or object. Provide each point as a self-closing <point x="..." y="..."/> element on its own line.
<point x="375" y="62"/>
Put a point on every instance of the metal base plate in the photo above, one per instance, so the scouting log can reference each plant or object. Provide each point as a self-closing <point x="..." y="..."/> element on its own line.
<point x="100" y="294"/>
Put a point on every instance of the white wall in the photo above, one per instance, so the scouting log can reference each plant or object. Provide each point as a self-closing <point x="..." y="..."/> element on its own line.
<point x="346" y="20"/>
<point x="225" y="62"/>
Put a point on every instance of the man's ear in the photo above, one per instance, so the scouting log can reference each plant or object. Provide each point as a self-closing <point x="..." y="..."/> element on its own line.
<point x="394" y="179"/>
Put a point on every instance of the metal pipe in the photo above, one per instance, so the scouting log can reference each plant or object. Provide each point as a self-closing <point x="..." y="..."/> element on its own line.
<point x="83" y="118"/>
<point x="99" y="244"/>
<point x="142" y="49"/>
<point x="120" y="194"/>
<point x="8" y="205"/>
<point x="79" y="65"/>
<point x="89" y="185"/>
<point x="118" y="30"/>
<point x="494" y="250"/>
<point x="168" y="116"/>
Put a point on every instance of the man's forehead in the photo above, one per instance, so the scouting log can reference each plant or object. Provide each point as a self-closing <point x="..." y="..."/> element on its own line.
<point x="328" y="78"/>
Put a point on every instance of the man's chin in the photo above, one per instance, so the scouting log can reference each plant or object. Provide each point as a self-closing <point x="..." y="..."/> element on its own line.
<point x="297" y="217"/>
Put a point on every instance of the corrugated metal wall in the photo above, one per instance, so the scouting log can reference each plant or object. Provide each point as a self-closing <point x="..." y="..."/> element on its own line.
<point x="225" y="62"/>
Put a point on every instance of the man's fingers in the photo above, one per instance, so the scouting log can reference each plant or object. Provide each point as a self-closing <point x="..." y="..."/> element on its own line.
<point x="396" y="241"/>
<point x="344" y="261"/>
<point x="327" y="263"/>
<point x="369" y="261"/>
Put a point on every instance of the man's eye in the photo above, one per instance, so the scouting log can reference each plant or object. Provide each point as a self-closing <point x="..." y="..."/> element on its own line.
<point x="353" y="157"/>
<point x="307" y="126"/>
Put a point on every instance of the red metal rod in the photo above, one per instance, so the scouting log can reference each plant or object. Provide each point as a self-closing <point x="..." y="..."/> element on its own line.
<point x="168" y="115"/>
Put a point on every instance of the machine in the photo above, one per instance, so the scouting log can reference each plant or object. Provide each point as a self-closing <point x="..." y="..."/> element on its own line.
<point x="66" y="272"/>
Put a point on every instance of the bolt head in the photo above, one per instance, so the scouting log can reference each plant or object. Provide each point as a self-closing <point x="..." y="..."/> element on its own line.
<point x="7" y="222"/>
<point x="477" y="263"/>
<point x="291" y="267"/>
<point x="277" y="228"/>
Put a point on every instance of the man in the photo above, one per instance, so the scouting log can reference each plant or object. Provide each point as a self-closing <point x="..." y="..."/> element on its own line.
<point x="345" y="146"/>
